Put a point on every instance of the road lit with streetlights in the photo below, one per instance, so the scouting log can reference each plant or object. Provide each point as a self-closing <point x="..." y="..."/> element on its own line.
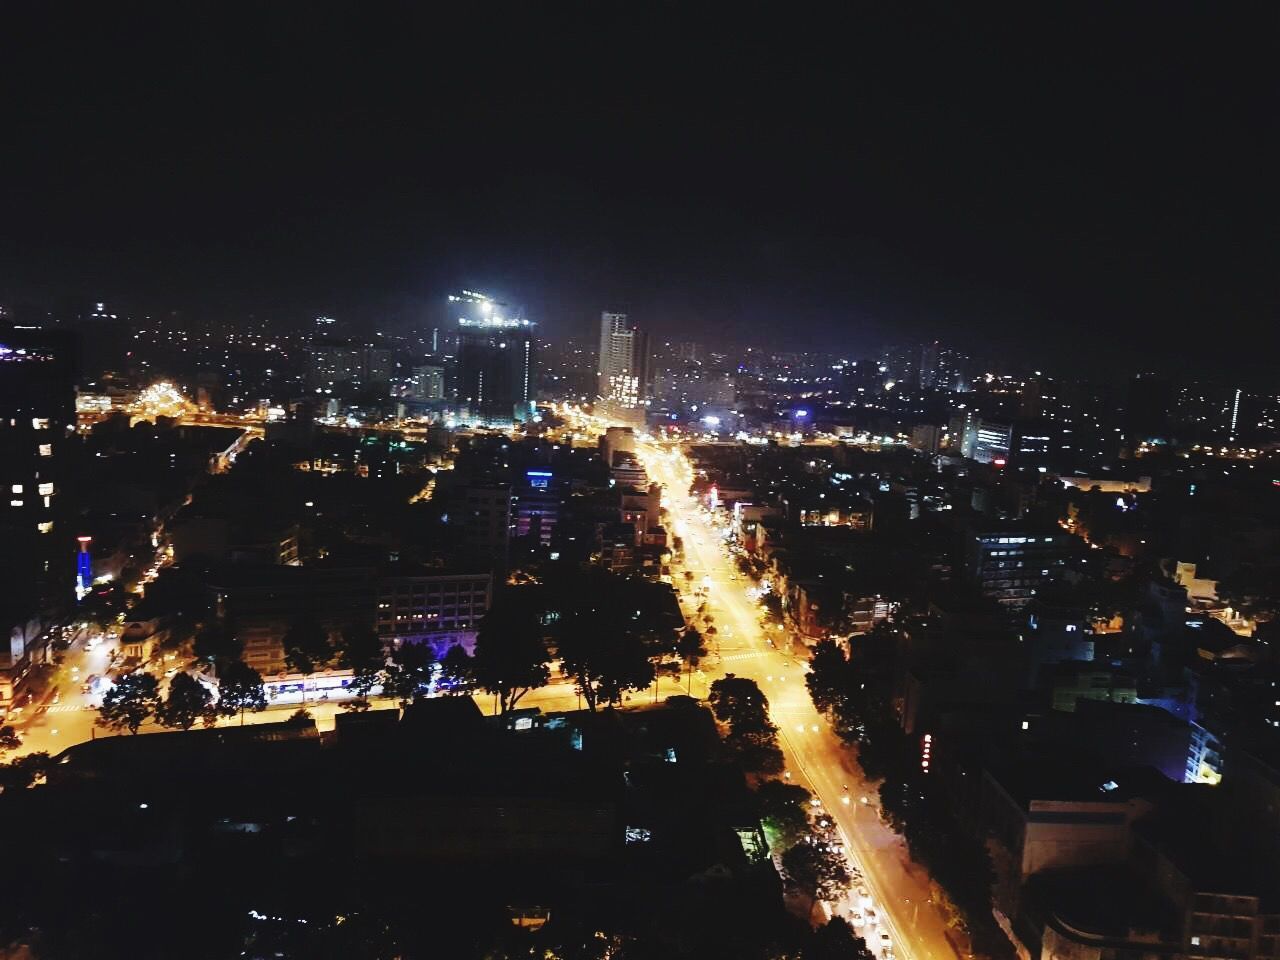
<point x="816" y="757"/>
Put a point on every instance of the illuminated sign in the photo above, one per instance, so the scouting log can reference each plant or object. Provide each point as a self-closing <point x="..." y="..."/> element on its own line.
<point x="84" y="568"/>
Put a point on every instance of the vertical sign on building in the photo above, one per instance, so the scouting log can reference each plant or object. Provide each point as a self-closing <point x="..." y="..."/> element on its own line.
<point x="84" y="568"/>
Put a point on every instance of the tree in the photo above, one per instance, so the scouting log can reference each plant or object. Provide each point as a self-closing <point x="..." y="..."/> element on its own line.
<point x="407" y="675"/>
<point x="306" y="645"/>
<point x="187" y="702"/>
<point x="239" y="689"/>
<point x="784" y="812"/>
<point x="835" y="940"/>
<point x="9" y="739"/>
<point x="828" y="676"/>
<point x="361" y="651"/>
<point x="756" y="751"/>
<point x="24" y="771"/>
<point x="605" y="658"/>
<point x="511" y="653"/>
<point x="773" y="607"/>
<point x="130" y="702"/>
<point x="739" y="702"/>
<point x="816" y="869"/>
<point x="752" y="738"/>
<point x="216" y="642"/>
<point x="456" y="670"/>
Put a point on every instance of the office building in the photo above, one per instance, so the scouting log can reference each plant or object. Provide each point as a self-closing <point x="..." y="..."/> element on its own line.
<point x="1010" y="563"/>
<point x="1015" y="443"/>
<point x="41" y="556"/>
<point x="487" y="522"/>
<point x="427" y="382"/>
<point x="345" y="365"/>
<point x="262" y="601"/>
<point x="38" y="372"/>
<point x="622" y="377"/>
<point x="442" y="609"/>
<point x="942" y="369"/>
<point x="495" y="361"/>
<point x="539" y="504"/>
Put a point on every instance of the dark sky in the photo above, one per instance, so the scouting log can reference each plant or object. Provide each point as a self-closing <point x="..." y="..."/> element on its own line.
<point x="1091" y="179"/>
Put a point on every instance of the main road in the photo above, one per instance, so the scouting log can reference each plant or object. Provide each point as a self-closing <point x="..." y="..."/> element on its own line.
<point x="815" y="755"/>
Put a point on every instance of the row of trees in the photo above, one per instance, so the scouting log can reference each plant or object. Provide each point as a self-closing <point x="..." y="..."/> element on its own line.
<point x="854" y="691"/>
<point x="611" y="634"/>
<point x="804" y="836"/>
<point x="136" y="698"/>
<point x="607" y="631"/>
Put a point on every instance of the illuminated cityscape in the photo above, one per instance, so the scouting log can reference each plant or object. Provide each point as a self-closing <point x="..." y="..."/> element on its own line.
<point x="527" y="484"/>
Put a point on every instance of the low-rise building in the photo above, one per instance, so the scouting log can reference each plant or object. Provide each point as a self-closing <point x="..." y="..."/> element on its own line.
<point x="442" y="609"/>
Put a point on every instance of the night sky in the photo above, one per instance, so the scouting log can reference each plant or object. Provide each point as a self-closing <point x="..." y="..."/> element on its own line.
<point x="1087" y="183"/>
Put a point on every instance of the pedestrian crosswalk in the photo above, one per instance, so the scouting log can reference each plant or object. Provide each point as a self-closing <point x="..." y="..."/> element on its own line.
<point x="66" y="708"/>
<point x="752" y="655"/>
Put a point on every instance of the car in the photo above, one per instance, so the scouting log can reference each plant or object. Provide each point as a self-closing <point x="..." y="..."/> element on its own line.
<point x="872" y="917"/>
<point x="856" y="918"/>
<point x="885" y="941"/>
<point x="864" y="897"/>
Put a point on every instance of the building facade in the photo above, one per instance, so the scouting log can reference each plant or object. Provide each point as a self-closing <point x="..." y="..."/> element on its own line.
<point x="623" y="370"/>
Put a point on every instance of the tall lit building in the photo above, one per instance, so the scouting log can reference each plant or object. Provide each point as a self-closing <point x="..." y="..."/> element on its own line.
<point x="38" y="374"/>
<point x="942" y="369"/>
<point x="623" y="370"/>
<point x="495" y="361"/>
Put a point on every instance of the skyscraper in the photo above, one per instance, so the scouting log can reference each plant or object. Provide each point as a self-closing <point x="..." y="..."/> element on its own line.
<point x="495" y="362"/>
<point x="623" y="371"/>
<point x="38" y="374"/>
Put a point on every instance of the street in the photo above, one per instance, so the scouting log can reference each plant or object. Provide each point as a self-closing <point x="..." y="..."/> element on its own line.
<point x="816" y="757"/>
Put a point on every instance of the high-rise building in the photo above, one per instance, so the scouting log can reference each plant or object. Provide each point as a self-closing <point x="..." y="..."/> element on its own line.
<point x="335" y="364"/>
<point x="928" y="373"/>
<point x="1146" y="409"/>
<point x="428" y="382"/>
<point x="942" y="369"/>
<point x="38" y="374"/>
<point x="623" y="371"/>
<point x="495" y="361"/>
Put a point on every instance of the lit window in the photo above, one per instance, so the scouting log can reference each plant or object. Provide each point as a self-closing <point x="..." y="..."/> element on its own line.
<point x="1026" y="724"/>
<point x="46" y="527"/>
<point x="17" y="488"/>
<point x="15" y="503"/>
<point x="45" y="490"/>
<point x="46" y="449"/>
<point x="39" y="423"/>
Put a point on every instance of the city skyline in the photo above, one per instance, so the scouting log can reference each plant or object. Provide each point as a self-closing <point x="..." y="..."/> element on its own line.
<point x="904" y="193"/>
<point x="590" y="482"/>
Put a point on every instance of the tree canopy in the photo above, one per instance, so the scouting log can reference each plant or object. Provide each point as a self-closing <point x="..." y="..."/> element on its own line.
<point x="187" y="702"/>
<point x="128" y="704"/>
<point x="307" y="647"/>
<point x="239" y="689"/>
<point x="511" y="655"/>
